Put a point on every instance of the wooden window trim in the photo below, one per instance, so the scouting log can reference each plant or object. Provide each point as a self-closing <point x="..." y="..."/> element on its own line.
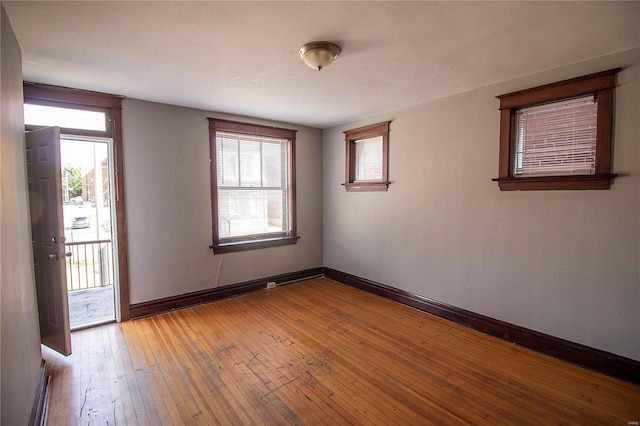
<point x="351" y="136"/>
<point x="601" y="85"/>
<point x="288" y="238"/>
<point x="44" y="94"/>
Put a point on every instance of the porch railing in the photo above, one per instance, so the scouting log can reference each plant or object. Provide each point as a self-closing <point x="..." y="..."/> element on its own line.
<point x="89" y="264"/>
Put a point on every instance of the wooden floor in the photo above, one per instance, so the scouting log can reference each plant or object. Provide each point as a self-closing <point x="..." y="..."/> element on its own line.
<point x="318" y="353"/>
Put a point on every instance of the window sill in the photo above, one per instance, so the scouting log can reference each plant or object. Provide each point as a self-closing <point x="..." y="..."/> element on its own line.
<point x="237" y="246"/>
<point x="544" y="183"/>
<point x="366" y="186"/>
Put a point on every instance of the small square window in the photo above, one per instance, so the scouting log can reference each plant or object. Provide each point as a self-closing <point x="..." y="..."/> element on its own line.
<point x="556" y="139"/>
<point x="558" y="136"/>
<point x="366" y="158"/>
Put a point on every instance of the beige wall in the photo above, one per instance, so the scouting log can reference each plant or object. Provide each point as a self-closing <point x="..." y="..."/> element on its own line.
<point x="564" y="263"/>
<point x="166" y="155"/>
<point x="21" y="354"/>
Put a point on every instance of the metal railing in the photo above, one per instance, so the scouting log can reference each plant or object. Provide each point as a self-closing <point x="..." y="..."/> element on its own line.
<point x="89" y="264"/>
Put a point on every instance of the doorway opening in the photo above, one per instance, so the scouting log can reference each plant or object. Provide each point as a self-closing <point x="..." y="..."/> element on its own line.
<point x="89" y="213"/>
<point x="94" y="118"/>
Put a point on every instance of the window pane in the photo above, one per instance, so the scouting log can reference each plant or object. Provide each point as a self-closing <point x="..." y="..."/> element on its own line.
<point x="42" y="115"/>
<point x="227" y="161"/>
<point x="557" y="138"/>
<point x="252" y="185"/>
<point x="273" y="167"/>
<point x="250" y="163"/>
<point x="249" y="212"/>
<point x="369" y="159"/>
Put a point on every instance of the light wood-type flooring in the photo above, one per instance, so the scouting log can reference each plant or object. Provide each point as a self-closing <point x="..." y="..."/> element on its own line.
<point x="319" y="353"/>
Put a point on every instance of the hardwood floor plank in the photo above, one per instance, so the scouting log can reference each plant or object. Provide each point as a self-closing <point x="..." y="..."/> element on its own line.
<point x="472" y="338"/>
<point x="123" y="373"/>
<point x="353" y="357"/>
<point x="146" y="411"/>
<point x="118" y="393"/>
<point x="213" y="406"/>
<point x="131" y="398"/>
<point x="231" y="387"/>
<point x="321" y="357"/>
<point x="319" y="352"/>
<point x="282" y="345"/>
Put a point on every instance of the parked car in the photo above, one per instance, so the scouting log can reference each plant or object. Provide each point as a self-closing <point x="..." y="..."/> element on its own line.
<point x="80" y="222"/>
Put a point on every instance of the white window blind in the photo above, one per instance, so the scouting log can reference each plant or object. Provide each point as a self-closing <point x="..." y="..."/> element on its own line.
<point x="557" y="138"/>
<point x="252" y="186"/>
<point x="369" y="159"/>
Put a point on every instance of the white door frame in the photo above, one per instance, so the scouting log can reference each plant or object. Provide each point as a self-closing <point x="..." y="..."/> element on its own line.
<point x="112" y="208"/>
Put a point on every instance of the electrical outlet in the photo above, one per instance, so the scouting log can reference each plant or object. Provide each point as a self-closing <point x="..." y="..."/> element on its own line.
<point x="271" y="284"/>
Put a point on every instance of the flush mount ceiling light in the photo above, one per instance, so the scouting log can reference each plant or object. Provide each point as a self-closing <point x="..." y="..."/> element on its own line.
<point x="319" y="54"/>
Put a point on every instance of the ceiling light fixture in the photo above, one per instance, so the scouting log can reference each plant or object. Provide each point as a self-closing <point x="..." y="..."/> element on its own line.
<point x="319" y="54"/>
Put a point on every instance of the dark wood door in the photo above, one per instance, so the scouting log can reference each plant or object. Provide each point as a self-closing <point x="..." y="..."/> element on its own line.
<point x="47" y="227"/>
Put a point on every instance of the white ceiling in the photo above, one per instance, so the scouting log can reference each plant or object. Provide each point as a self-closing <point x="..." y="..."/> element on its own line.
<point x="242" y="57"/>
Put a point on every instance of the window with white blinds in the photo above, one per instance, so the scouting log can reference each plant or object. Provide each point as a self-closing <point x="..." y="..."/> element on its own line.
<point x="557" y="138"/>
<point x="252" y="186"/>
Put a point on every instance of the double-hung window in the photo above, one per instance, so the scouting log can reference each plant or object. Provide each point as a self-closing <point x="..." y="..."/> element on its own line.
<point x="253" y="186"/>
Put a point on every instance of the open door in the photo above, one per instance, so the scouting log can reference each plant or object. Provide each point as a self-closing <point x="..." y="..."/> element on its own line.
<point x="47" y="228"/>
